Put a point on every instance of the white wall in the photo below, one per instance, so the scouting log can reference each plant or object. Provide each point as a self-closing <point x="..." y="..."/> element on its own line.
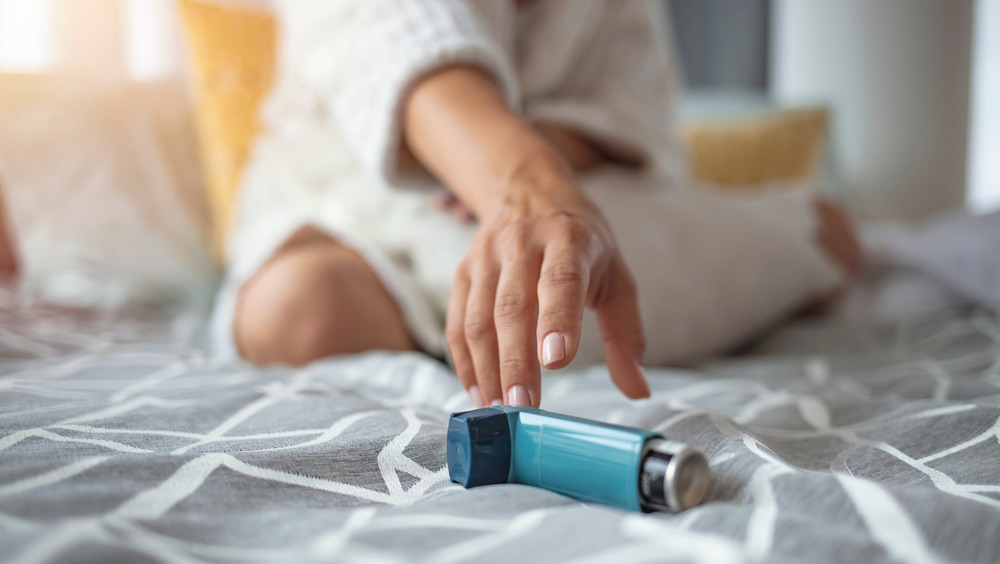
<point x="26" y="35"/>
<point x="108" y="40"/>
<point x="984" y="152"/>
<point x="896" y="74"/>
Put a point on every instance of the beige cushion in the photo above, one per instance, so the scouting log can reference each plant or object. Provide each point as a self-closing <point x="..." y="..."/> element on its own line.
<point x="103" y="191"/>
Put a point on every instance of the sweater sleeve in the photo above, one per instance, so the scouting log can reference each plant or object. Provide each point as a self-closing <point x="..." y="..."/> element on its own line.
<point x="619" y="88"/>
<point x="363" y="57"/>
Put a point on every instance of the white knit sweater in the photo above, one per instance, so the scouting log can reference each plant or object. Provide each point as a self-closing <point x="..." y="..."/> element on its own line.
<point x="595" y="65"/>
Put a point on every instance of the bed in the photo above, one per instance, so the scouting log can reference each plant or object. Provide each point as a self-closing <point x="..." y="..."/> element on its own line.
<point x="122" y="439"/>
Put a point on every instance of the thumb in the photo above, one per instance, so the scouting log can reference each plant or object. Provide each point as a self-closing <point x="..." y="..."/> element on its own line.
<point x="617" y="311"/>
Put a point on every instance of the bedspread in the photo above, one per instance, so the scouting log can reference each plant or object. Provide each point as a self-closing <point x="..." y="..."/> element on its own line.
<point x="120" y="441"/>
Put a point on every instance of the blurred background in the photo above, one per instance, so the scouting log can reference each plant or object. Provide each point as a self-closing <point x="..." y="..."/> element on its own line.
<point x="907" y="94"/>
<point x="913" y="85"/>
<point x="913" y="88"/>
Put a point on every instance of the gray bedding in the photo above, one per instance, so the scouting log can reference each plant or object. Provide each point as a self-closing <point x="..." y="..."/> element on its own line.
<point x="120" y="441"/>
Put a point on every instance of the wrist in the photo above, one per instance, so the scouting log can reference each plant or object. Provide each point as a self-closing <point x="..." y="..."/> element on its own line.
<point x="536" y="178"/>
<point x="577" y="150"/>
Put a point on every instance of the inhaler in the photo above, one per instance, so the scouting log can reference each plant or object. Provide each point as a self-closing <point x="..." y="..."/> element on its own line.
<point x="587" y="460"/>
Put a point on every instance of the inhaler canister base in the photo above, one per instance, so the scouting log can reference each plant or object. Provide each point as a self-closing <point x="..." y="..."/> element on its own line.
<point x="672" y="477"/>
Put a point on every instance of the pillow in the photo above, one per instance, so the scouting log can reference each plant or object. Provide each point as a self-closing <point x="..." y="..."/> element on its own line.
<point x="232" y="45"/>
<point x="103" y="192"/>
<point x="775" y="148"/>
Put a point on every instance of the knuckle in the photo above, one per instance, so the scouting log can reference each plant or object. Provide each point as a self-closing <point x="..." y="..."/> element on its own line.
<point x="516" y="235"/>
<point x="569" y="229"/>
<point x="480" y="262"/>
<point x="454" y="335"/>
<point x="510" y="306"/>
<point x="484" y="245"/>
<point x="634" y="339"/>
<point x="563" y="273"/>
<point x="559" y="317"/>
<point x="573" y="232"/>
<point x="462" y="280"/>
<point x="513" y="366"/>
<point x="478" y="326"/>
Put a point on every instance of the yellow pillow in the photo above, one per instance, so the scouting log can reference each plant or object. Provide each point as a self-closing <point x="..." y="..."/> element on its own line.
<point x="740" y="154"/>
<point x="233" y="50"/>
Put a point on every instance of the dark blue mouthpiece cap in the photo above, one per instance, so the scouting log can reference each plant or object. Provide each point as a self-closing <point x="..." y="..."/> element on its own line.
<point x="479" y="447"/>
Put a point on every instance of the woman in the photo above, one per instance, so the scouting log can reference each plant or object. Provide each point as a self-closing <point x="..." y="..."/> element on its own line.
<point x="551" y="122"/>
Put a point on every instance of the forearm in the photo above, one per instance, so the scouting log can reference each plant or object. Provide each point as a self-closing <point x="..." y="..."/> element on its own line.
<point x="458" y="125"/>
<point x="578" y="151"/>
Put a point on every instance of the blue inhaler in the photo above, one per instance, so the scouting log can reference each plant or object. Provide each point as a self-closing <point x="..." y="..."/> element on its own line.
<point x="590" y="461"/>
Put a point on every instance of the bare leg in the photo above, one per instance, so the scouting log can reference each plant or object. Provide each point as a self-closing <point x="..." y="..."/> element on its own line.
<point x="313" y="299"/>
<point x="8" y="258"/>
<point x="837" y="239"/>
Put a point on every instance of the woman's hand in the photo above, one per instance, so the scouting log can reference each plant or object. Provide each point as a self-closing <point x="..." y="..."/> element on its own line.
<point x="520" y="293"/>
<point x="542" y="254"/>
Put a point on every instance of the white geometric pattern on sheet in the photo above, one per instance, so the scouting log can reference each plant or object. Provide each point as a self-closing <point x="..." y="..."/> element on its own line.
<point x="120" y="442"/>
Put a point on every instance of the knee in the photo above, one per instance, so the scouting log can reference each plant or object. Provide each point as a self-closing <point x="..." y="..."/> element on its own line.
<point x="838" y="238"/>
<point x="297" y="309"/>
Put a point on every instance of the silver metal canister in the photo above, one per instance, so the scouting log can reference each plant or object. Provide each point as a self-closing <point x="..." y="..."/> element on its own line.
<point x="673" y="476"/>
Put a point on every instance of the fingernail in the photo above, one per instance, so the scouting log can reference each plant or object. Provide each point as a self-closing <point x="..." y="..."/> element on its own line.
<point x="553" y="348"/>
<point x="496" y="402"/>
<point x="477" y="399"/>
<point x="518" y="395"/>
